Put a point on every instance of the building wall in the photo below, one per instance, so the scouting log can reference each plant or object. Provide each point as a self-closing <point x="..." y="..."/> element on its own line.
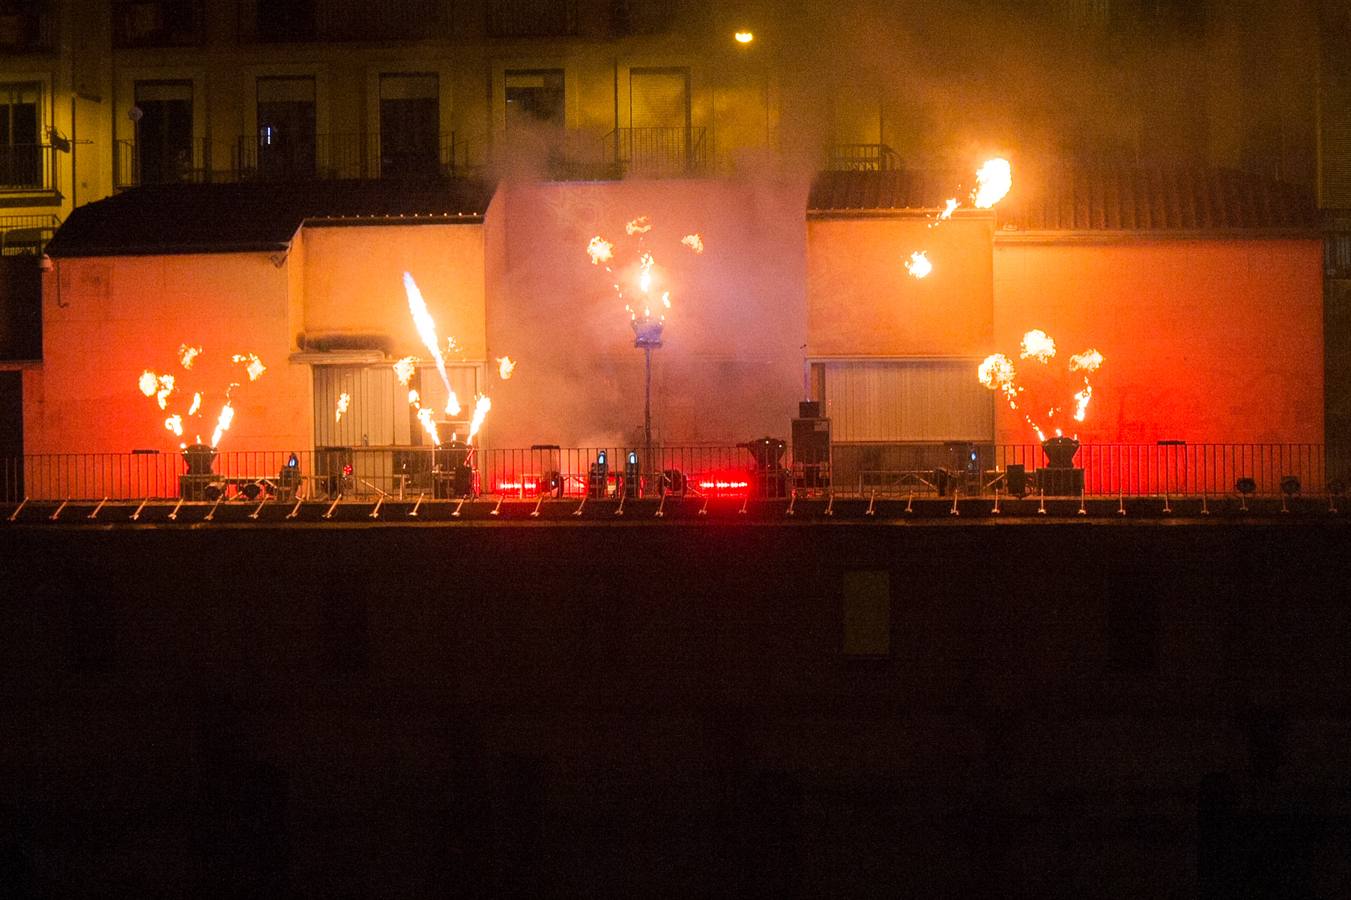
<point x="353" y="282"/>
<point x="106" y="320"/>
<point x="1217" y="340"/>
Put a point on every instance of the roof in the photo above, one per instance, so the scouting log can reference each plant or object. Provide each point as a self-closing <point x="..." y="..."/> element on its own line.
<point x="255" y="216"/>
<point x="1155" y="200"/>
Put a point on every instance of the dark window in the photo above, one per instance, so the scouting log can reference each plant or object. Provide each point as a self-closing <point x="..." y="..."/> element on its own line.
<point x="20" y="150"/>
<point x="164" y="143"/>
<point x="531" y="18"/>
<point x="25" y="25"/>
<point x="157" y="23"/>
<point x="286" y="20"/>
<point x="285" y="140"/>
<point x="534" y="97"/>
<point x="1133" y="623"/>
<point x="410" y="124"/>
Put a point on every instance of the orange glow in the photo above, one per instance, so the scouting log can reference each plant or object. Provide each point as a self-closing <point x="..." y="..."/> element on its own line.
<point x="640" y="225"/>
<point x="481" y="408"/>
<point x="694" y="242"/>
<point x="600" y="250"/>
<point x="166" y="387"/>
<point x="187" y="355"/>
<point x="404" y="369"/>
<point x="1037" y="345"/>
<point x="148" y="383"/>
<point x="426" y="329"/>
<point x="424" y="417"/>
<point x="175" y="424"/>
<point x="196" y="404"/>
<point x="505" y="366"/>
<point x="744" y="37"/>
<point x="227" y="416"/>
<point x="252" y="364"/>
<point x="344" y="399"/>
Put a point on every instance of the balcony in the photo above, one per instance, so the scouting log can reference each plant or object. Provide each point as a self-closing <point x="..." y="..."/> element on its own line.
<point x="532" y="18"/>
<point x="27" y="26"/>
<point x="863" y="158"/>
<point x="203" y="161"/>
<point x="27" y="168"/>
<point x="158" y="23"/>
<point x="27" y="235"/>
<point x="271" y="22"/>
<point x="338" y="156"/>
<point x="658" y="152"/>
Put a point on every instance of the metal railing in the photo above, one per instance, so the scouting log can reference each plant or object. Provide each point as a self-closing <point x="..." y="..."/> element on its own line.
<point x="27" y="235"/>
<point x="27" y="167"/>
<point x="200" y="162"/>
<point x="863" y="158"/>
<point x="1108" y="470"/>
<point x="658" y="152"/>
<point x="27" y="27"/>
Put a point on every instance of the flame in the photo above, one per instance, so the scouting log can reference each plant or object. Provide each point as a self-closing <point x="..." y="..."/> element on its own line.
<point x="227" y="415"/>
<point x="252" y="364"/>
<point x="426" y="329"/>
<point x="1081" y="401"/>
<point x="187" y="355"/>
<point x="505" y="367"/>
<point x="694" y="242"/>
<point x="640" y="225"/>
<point x="666" y="300"/>
<point x="404" y="369"/>
<point x="175" y="424"/>
<point x="949" y="208"/>
<point x="148" y="383"/>
<point x="600" y="250"/>
<point x="424" y="416"/>
<point x="344" y="399"/>
<point x="918" y="265"/>
<point x="1037" y="345"/>
<point x="1087" y="361"/>
<point x="645" y="264"/>
<point x="997" y="373"/>
<point x="166" y="387"/>
<point x="196" y="404"/>
<point x="481" y="407"/>
<point x="414" y="399"/>
<point x="452" y="345"/>
<point x="993" y="180"/>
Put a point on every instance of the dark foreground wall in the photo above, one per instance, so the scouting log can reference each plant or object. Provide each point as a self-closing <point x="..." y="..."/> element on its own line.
<point x="1050" y="709"/>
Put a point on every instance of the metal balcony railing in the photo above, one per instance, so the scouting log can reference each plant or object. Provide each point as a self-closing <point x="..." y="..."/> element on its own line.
<point x="159" y="23"/>
<point x="1108" y="471"/>
<point x="863" y="158"/>
<point x="27" y="235"/>
<point x="27" y="26"/>
<point x="200" y="162"/>
<point x="658" y="152"/>
<point x="337" y="156"/>
<point x="27" y="167"/>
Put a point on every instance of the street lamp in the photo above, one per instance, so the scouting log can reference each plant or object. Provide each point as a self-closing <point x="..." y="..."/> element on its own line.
<point x="647" y="337"/>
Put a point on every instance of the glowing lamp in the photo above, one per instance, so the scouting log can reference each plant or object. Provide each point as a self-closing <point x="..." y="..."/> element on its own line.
<point x="646" y="333"/>
<point x="744" y="37"/>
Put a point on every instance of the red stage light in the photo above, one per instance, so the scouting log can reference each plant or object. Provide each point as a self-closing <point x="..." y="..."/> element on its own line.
<point x="724" y="484"/>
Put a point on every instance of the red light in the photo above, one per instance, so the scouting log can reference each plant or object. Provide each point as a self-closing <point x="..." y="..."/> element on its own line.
<point x="526" y="487"/>
<point x="724" y="484"/>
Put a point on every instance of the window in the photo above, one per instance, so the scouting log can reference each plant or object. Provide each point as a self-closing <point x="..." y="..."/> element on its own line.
<point x="157" y="23"/>
<point x="25" y="25"/>
<point x="534" y="97"/>
<point x="20" y="145"/>
<point x="410" y="124"/>
<point x="291" y="20"/>
<point x="164" y="145"/>
<point x="285" y="141"/>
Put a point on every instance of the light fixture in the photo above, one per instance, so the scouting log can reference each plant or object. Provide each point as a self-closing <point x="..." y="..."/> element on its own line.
<point x="744" y="36"/>
<point x="1290" y="485"/>
<point x="1245" y="486"/>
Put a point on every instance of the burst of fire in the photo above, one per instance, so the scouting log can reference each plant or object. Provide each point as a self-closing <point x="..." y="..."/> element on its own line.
<point x="1081" y="401"/>
<point x="424" y="416"/>
<point x="196" y="404"/>
<point x="1037" y="345"/>
<point x="175" y="424"/>
<point x="166" y="387"/>
<point x="344" y="399"/>
<point x="1088" y="361"/>
<point x="505" y="366"/>
<point x="227" y="415"/>
<point x="187" y="355"/>
<point x="481" y="408"/>
<point x="600" y="250"/>
<point x="918" y="265"/>
<point x="640" y="225"/>
<point x="993" y="180"/>
<point x="252" y="364"/>
<point x="949" y="208"/>
<point x="404" y="369"/>
<point x="645" y="264"/>
<point x="148" y="383"/>
<point x="426" y="329"/>
<point x="694" y="242"/>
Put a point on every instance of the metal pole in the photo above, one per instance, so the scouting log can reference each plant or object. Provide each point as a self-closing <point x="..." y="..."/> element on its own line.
<point x="647" y="407"/>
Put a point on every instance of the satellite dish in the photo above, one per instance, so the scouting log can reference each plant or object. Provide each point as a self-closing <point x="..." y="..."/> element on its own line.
<point x="135" y="113"/>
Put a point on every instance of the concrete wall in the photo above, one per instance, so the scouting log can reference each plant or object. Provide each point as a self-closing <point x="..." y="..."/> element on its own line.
<point x="106" y="320"/>
<point x="1214" y="340"/>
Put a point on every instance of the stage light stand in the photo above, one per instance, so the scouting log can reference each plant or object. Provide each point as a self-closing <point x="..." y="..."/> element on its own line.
<point x="647" y="337"/>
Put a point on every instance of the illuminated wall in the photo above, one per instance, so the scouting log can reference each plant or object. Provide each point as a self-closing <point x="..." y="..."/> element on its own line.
<point x="105" y="320"/>
<point x="1218" y="340"/>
